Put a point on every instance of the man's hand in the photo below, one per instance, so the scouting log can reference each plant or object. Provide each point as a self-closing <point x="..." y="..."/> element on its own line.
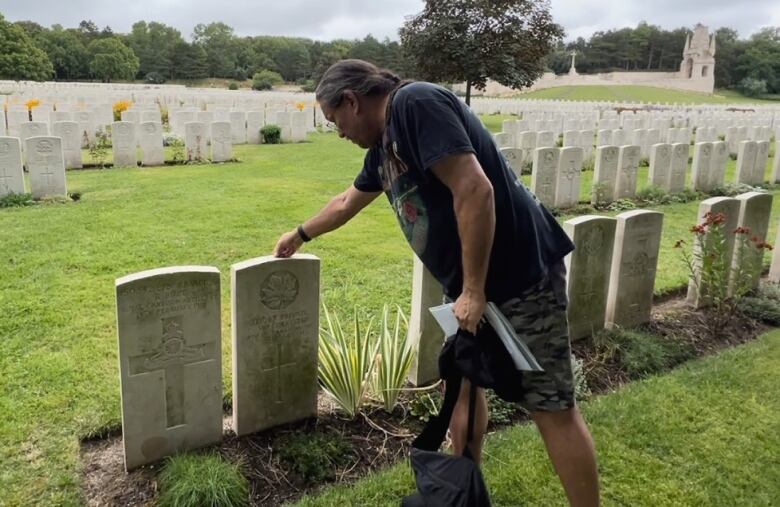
<point x="469" y="308"/>
<point x="288" y="244"/>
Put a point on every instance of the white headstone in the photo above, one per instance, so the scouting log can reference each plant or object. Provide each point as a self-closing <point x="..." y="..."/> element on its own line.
<point x="567" y="187"/>
<point x="170" y="354"/>
<point x="634" y="263"/>
<point x="702" y="161"/>
<point x="730" y="209"/>
<point x="123" y="141"/>
<point x="588" y="268"/>
<point x="660" y="165"/>
<point x="32" y="129"/>
<point x="46" y="165"/>
<point x="150" y="137"/>
<point x="544" y="174"/>
<point x="605" y="174"/>
<point x="628" y="167"/>
<point x="69" y="132"/>
<point x="514" y="156"/>
<point x="275" y="314"/>
<point x="254" y="122"/>
<point x="237" y="127"/>
<point x="762" y="158"/>
<point x="746" y="163"/>
<point x="678" y="168"/>
<point x="424" y="332"/>
<point x="221" y="141"/>
<point x="299" y="121"/>
<point x="754" y="211"/>
<point x="195" y="141"/>
<point x="11" y="174"/>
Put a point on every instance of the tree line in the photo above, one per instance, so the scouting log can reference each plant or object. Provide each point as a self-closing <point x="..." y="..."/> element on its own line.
<point x="156" y="52"/>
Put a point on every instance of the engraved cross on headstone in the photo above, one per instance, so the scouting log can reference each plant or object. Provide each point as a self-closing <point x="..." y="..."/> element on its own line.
<point x="171" y="357"/>
<point x="277" y="368"/>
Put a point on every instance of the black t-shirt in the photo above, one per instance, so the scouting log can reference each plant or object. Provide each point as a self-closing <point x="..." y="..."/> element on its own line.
<point x="428" y="123"/>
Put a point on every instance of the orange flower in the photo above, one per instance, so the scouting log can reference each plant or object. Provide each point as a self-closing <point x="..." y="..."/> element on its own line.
<point x="32" y="104"/>
<point x="300" y="105"/>
<point x="699" y="229"/>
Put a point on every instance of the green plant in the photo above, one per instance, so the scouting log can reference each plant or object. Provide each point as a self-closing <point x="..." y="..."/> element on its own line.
<point x="640" y="353"/>
<point x="177" y="149"/>
<point x="425" y="404"/>
<point x="272" y="134"/>
<point x="581" y="390"/>
<point x="761" y="308"/>
<point x="720" y="277"/>
<point x="233" y="86"/>
<point x="266" y="80"/>
<point x="752" y="87"/>
<point x="526" y="167"/>
<point x="154" y="78"/>
<point x="621" y="205"/>
<point x="345" y="362"/>
<point x="500" y="411"/>
<point x="644" y="162"/>
<point x="396" y="352"/>
<point x="589" y="164"/>
<point x="732" y="189"/>
<point x="13" y="200"/>
<point x="194" y="480"/>
<point x="309" y="86"/>
<point x="313" y="456"/>
<point x="98" y="149"/>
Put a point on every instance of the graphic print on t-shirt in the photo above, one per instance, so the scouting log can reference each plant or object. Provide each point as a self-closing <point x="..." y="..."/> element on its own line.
<point x="408" y="205"/>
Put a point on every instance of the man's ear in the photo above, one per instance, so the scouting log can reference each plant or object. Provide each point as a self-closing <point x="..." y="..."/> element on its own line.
<point x="352" y="100"/>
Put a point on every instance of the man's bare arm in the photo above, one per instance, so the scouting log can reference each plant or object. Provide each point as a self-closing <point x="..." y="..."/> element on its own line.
<point x="472" y="195"/>
<point x="336" y="213"/>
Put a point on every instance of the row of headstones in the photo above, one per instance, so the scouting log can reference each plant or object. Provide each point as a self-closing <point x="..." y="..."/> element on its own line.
<point x="556" y="172"/>
<point x="170" y="352"/>
<point x="45" y="163"/>
<point x="245" y="127"/>
<point x="610" y="274"/>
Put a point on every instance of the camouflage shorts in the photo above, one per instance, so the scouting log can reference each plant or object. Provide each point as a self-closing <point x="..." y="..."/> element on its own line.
<point x="539" y="317"/>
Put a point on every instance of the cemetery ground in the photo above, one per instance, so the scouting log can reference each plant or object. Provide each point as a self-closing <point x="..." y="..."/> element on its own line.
<point x="58" y="350"/>
<point x="642" y="94"/>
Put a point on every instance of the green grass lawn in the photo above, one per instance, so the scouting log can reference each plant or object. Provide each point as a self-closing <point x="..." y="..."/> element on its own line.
<point x="640" y="94"/>
<point x="58" y="365"/>
<point x="706" y="434"/>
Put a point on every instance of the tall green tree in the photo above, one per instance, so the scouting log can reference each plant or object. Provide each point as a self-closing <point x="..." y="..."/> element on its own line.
<point x="153" y="44"/>
<point x="111" y="59"/>
<point x="66" y="52"/>
<point x="219" y="42"/>
<point x="20" y="58"/>
<point x="476" y="40"/>
<point x="189" y="61"/>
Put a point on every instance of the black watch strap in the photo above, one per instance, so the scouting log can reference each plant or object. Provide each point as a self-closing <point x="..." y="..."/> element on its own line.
<point x="305" y="237"/>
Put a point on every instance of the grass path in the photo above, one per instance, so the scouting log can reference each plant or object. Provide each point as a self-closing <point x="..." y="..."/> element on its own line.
<point x="708" y="434"/>
<point x="640" y="94"/>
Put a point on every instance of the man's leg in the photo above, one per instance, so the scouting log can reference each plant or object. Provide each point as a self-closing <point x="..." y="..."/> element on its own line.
<point x="572" y="453"/>
<point x="460" y="419"/>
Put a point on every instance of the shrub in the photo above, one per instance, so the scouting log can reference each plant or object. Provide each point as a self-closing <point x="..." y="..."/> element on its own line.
<point x="589" y="164"/>
<point x="309" y="86"/>
<point x="761" y="308"/>
<point x="98" y="149"/>
<point x="425" y="404"/>
<point x="169" y="138"/>
<point x="272" y="134"/>
<point x="197" y="480"/>
<point x="581" y="389"/>
<point x="177" y="149"/>
<point x="312" y="456"/>
<point x="752" y="87"/>
<point x="345" y="362"/>
<point x="154" y="78"/>
<point x="500" y="411"/>
<point x="640" y="353"/>
<point x="266" y="80"/>
<point x="16" y="200"/>
<point x="233" y="86"/>
<point x="396" y="352"/>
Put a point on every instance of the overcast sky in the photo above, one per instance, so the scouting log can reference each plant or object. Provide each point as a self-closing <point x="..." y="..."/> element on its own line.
<point x="331" y="19"/>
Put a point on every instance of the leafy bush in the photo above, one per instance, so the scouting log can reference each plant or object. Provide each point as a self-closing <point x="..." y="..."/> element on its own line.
<point x="266" y="80"/>
<point x="640" y="353"/>
<point x="652" y="195"/>
<point x="169" y="138"/>
<point x="233" y="86"/>
<point x="732" y="189"/>
<point x="154" y="78"/>
<point x="177" y="149"/>
<point x="16" y="200"/>
<point x="98" y="149"/>
<point x="197" y="480"/>
<point x="761" y="308"/>
<point x="644" y="162"/>
<point x="346" y="362"/>
<point x="500" y="411"/>
<point x="752" y="87"/>
<point x="396" y="352"/>
<point x="589" y="164"/>
<point x="621" y="205"/>
<point x="313" y="456"/>
<point x="272" y="134"/>
<point x="581" y="389"/>
<point x="425" y="404"/>
<point x="309" y="86"/>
